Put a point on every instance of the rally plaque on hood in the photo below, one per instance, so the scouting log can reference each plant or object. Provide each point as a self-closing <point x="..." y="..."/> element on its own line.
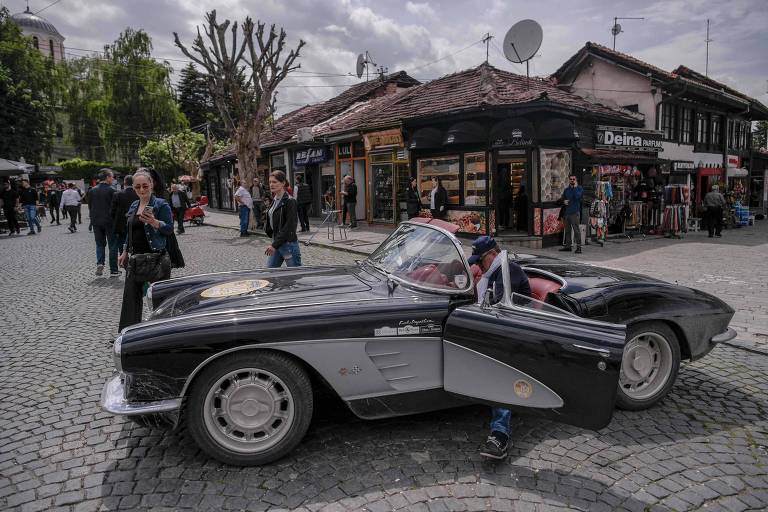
<point x="234" y="288"/>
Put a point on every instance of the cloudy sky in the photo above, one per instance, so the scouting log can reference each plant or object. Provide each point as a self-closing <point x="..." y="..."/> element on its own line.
<point x="431" y="38"/>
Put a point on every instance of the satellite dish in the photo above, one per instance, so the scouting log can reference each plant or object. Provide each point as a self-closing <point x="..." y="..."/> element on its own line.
<point x="360" y="65"/>
<point x="616" y="30"/>
<point x="522" y="41"/>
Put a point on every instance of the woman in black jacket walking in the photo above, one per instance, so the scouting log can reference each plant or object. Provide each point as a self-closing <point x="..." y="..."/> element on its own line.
<point x="413" y="199"/>
<point x="438" y="198"/>
<point x="282" y="219"/>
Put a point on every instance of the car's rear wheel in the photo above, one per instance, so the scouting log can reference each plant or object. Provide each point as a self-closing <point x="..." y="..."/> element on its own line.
<point x="649" y="365"/>
<point x="250" y="409"/>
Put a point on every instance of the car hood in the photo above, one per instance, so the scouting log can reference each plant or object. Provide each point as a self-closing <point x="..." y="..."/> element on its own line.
<point x="261" y="288"/>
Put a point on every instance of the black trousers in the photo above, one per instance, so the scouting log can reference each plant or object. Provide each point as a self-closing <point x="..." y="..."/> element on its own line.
<point x="13" y="222"/>
<point x="303" y="216"/>
<point x="349" y="208"/>
<point x="133" y="302"/>
<point x="714" y="220"/>
<point x="179" y="212"/>
<point x="72" y="212"/>
<point x="54" y="211"/>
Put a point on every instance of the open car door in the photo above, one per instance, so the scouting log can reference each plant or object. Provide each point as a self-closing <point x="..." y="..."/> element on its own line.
<point x="527" y="355"/>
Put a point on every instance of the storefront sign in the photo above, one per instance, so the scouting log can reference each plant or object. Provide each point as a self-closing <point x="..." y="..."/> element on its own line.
<point x="310" y="156"/>
<point x="345" y="150"/>
<point x="734" y="161"/>
<point x="385" y="138"/>
<point x="512" y="142"/>
<point x="683" y="167"/>
<point x="628" y="139"/>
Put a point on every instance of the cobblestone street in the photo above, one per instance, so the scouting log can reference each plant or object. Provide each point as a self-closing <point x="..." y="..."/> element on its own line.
<point x="704" y="447"/>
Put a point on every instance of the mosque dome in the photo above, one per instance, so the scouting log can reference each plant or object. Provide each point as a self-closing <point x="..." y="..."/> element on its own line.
<point x="29" y="20"/>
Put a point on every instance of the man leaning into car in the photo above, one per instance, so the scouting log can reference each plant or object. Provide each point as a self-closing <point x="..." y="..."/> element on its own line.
<point x="486" y="269"/>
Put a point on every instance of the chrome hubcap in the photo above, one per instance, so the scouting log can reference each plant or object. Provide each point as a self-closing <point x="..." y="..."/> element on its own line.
<point x="249" y="410"/>
<point x="645" y="366"/>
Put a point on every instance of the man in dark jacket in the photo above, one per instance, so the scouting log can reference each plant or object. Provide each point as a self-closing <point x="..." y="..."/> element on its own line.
<point x="121" y="202"/>
<point x="10" y="199"/>
<point x="100" y="205"/>
<point x="487" y="256"/>
<point x="54" y="197"/>
<point x="350" y="202"/>
<point x="303" y="195"/>
<point x="571" y="200"/>
<point x="179" y="203"/>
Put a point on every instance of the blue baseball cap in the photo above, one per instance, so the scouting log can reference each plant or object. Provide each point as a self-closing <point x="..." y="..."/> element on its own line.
<point x="480" y="246"/>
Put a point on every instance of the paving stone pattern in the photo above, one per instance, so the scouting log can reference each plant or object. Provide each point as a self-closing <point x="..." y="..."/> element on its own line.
<point x="705" y="447"/>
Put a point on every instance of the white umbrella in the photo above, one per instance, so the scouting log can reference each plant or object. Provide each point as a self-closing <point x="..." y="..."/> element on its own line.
<point x="11" y="167"/>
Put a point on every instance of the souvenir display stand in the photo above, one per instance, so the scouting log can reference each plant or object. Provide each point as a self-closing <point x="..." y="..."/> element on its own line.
<point x="676" y="201"/>
<point x="598" y="212"/>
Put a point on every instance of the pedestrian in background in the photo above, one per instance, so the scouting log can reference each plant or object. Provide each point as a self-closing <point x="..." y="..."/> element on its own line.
<point x="149" y="225"/>
<point x="571" y="200"/>
<point x="28" y="197"/>
<point x="100" y="204"/>
<point x="121" y="203"/>
<point x="244" y="204"/>
<point x="54" y="200"/>
<point x="714" y="202"/>
<point x="70" y="200"/>
<point x="438" y="198"/>
<point x="413" y="198"/>
<point x="10" y="198"/>
<point x="282" y="219"/>
<point x="179" y="203"/>
<point x="303" y="196"/>
<point x="349" y="203"/>
<point x="258" y="194"/>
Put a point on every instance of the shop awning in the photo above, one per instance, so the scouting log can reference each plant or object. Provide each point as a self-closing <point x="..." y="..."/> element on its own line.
<point x="14" y="168"/>
<point x="512" y="131"/>
<point x="736" y="172"/>
<point x="465" y="132"/>
<point x="610" y="156"/>
<point x="556" y="129"/>
<point x="426" y="138"/>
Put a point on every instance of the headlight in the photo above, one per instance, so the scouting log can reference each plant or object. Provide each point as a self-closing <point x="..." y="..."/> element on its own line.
<point x="117" y="352"/>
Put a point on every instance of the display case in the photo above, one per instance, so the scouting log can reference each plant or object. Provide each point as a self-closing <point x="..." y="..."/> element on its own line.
<point x="447" y="168"/>
<point x="382" y="193"/>
<point x="555" y="168"/>
<point x="475" y="175"/>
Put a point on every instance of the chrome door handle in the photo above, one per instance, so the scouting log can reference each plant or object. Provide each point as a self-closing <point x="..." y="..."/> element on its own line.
<point x="602" y="351"/>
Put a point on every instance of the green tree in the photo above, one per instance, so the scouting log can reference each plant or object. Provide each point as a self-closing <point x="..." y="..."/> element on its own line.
<point x="759" y="135"/>
<point x="177" y="154"/>
<point x="84" y="92"/>
<point x="27" y="95"/>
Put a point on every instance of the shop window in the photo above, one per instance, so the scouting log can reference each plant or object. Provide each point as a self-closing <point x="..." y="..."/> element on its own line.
<point x="668" y="120"/>
<point x="447" y="168"/>
<point x="380" y="157"/>
<point x="358" y="149"/>
<point x="474" y="179"/>
<point x="278" y="161"/>
<point x="555" y="169"/>
<point x="383" y="192"/>
<point x="716" y="130"/>
<point x="686" y="126"/>
<point x="702" y="129"/>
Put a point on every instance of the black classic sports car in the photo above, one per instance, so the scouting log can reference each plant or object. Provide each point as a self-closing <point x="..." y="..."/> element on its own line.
<point x="401" y="333"/>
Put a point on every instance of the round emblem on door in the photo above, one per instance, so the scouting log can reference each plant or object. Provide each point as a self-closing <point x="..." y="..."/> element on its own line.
<point x="523" y="389"/>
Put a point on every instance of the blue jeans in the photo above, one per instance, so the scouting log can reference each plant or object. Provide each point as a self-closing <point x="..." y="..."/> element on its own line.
<point x="32" y="218"/>
<point x="245" y="215"/>
<point x="289" y="253"/>
<point x="500" y="419"/>
<point x="106" y="235"/>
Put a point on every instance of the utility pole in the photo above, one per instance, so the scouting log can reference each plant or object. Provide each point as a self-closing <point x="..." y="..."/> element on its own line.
<point x="707" y="40"/>
<point x="487" y="41"/>
<point x="616" y="29"/>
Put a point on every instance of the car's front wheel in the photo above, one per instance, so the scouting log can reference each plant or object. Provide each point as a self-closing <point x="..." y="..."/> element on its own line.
<point x="649" y="365"/>
<point x="250" y="409"/>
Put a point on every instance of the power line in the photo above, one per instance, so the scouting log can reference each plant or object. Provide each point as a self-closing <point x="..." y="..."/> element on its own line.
<point x="447" y="56"/>
<point x="47" y="6"/>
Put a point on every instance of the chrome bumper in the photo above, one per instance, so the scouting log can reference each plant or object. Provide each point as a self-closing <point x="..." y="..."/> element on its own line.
<point x="113" y="401"/>
<point x="728" y="335"/>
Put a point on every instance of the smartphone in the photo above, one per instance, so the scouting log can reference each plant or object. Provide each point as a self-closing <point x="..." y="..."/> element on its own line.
<point x="148" y="210"/>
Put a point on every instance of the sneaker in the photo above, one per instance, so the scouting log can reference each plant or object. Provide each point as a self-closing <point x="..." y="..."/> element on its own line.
<point x="565" y="249"/>
<point x="495" y="446"/>
<point x="578" y="250"/>
<point x="114" y="273"/>
<point x="71" y="229"/>
<point x="31" y="233"/>
<point x="99" y="270"/>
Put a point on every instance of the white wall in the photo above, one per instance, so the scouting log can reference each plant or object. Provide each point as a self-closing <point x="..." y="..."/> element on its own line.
<point x="675" y="151"/>
<point x="44" y="45"/>
<point x="617" y="86"/>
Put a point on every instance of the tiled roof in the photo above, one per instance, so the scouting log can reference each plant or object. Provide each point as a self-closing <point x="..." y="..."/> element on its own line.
<point x="483" y="86"/>
<point x="703" y="79"/>
<point x="618" y="57"/>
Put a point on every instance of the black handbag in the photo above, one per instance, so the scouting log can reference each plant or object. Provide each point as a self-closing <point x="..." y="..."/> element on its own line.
<point x="147" y="267"/>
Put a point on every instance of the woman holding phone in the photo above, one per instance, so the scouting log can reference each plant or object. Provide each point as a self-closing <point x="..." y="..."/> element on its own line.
<point x="144" y="255"/>
<point x="282" y="219"/>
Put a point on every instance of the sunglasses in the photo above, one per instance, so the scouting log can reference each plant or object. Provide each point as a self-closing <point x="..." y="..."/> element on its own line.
<point x="141" y="186"/>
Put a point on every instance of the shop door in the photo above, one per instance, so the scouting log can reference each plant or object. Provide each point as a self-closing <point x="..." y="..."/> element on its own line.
<point x="382" y="198"/>
<point x="359" y="175"/>
<point x="512" y="199"/>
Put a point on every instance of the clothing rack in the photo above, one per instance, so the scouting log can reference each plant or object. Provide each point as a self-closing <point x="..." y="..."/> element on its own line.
<point x="676" y="200"/>
<point x="598" y="212"/>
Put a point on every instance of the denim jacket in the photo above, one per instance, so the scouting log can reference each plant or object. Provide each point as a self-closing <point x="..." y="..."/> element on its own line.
<point x="162" y="212"/>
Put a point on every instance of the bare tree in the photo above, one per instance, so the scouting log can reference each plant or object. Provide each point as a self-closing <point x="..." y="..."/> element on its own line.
<point x="243" y="78"/>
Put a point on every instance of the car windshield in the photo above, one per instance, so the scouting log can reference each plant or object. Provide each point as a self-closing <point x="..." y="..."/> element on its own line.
<point x="424" y="256"/>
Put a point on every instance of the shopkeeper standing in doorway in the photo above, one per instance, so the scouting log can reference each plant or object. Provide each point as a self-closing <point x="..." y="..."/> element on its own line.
<point x="571" y="199"/>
